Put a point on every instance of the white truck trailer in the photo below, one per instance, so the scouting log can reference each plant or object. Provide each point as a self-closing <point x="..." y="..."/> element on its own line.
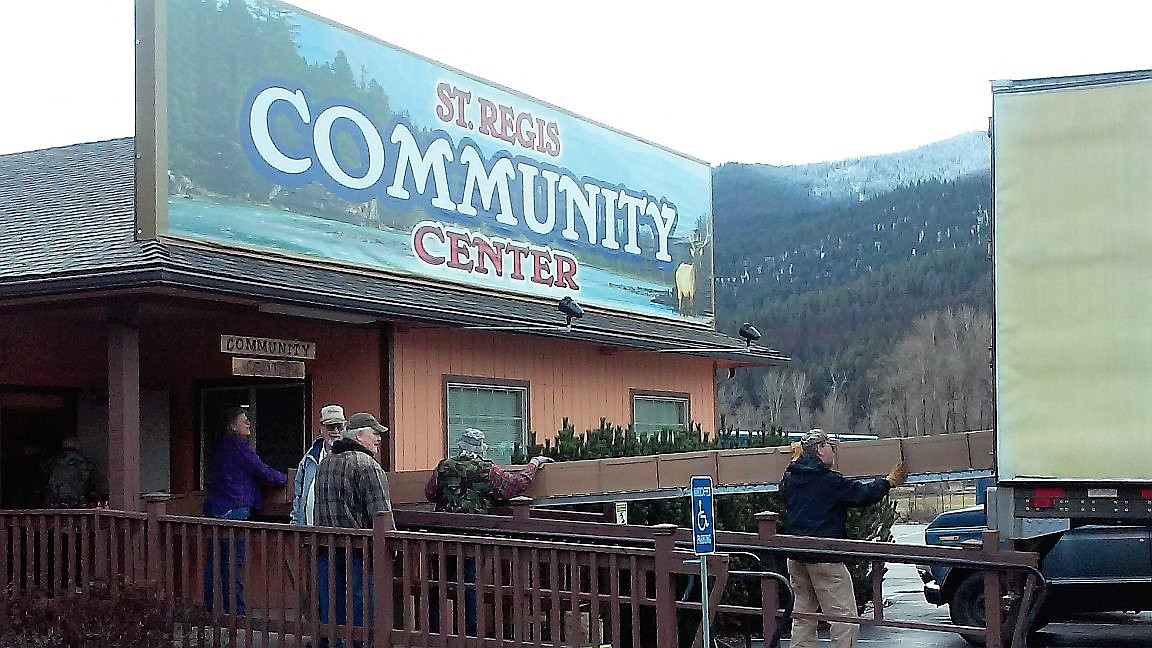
<point x="1072" y="348"/>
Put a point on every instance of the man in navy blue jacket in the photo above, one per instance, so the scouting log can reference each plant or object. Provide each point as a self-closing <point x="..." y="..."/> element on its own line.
<point x="817" y="500"/>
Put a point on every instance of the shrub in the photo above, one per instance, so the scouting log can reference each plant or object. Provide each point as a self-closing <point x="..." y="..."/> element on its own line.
<point x="127" y="617"/>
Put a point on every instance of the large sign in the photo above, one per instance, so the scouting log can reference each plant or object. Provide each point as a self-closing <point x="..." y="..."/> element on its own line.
<point x="291" y="135"/>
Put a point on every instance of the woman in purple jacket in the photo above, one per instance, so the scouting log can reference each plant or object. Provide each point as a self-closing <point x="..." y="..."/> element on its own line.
<point x="235" y="477"/>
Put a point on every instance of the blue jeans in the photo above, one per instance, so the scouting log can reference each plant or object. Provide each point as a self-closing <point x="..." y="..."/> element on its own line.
<point x="339" y="564"/>
<point x="449" y="576"/>
<point x="223" y="550"/>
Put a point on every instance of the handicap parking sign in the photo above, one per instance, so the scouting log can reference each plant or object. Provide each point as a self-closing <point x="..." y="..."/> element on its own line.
<point x="703" y="519"/>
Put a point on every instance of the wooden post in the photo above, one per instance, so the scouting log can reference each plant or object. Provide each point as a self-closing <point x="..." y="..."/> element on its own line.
<point x="123" y="415"/>
<point x="156" y="505"/>
<point x="382" y="581"/>
<point x="521" y="508"/>
<point x="766" y="524"/>
<point x="993" y="615"/>
<point x="665" y="535"/>
<point x="769" y="587"/>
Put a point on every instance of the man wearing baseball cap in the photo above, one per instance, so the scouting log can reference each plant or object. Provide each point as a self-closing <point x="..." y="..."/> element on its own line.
<point x="817" y="499"/>
<point x="332" y="424"/>
<point x="351" y="488"/>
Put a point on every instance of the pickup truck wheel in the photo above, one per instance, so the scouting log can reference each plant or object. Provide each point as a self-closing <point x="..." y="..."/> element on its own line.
<point x="967" y="606"/>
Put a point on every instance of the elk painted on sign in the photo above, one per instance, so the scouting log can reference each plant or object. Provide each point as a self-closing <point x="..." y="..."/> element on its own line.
<point x="687" y="275"/>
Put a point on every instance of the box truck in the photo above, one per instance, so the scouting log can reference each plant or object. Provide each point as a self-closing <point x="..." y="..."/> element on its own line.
<point x="1072" y="344"/>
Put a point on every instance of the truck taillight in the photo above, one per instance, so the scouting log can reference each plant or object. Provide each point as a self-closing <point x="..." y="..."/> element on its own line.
<point x="1146" y="493"/>
<point x="1046" y="497"/>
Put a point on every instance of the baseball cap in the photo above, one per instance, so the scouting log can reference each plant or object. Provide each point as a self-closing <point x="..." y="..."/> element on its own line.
<point x="365" y="420"/>
<point x="817" y="437"/>
<point x="472" y="440"/>
<point x="331" y="414"/>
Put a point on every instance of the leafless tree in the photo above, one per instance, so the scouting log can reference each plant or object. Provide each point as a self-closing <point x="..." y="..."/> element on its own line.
<point x="937" y="378"/>
<point x="798" y="381"/>
<point x="834" y="414"/>
<point x="773" y="383"/>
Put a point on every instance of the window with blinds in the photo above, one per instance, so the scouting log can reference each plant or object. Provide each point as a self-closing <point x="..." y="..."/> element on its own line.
<point x="498" y="410"/>
<point x="652" y="413"/>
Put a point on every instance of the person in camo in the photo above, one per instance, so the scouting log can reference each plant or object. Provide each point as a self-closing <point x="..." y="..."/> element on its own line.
<point x="470" y="483"/>
<point x="71" y="478"/>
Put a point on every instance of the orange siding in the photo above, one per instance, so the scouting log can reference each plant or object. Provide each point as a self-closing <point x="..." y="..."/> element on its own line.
<point x="179" y="347"/>
<point x="581" y="381"/>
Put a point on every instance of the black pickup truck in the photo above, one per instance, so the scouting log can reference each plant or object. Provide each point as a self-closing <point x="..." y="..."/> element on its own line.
<point x="1090" y="569"/>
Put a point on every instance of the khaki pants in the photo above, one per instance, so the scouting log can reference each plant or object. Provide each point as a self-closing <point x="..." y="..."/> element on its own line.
<point x="827" y="586"/>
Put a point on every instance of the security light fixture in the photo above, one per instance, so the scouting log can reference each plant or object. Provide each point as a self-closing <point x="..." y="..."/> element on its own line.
<point x="571" y="310"/>
<point x="567" y="307"/>
<point x="749" y="333"/>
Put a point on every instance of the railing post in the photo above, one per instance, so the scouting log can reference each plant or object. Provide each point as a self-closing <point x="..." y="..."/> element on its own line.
<point x="993" y="616"/>
<point x="769" y="588"/>
<point x="156" y="506"/>
<point x="665" y="535"/>
<point x="382" y="581"/>
<point x="521" y="507"/>
<point x="766" y="524"/>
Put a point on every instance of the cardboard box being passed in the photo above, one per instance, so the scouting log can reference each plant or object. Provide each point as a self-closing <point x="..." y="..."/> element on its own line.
<point x="677" y="470"/>
<point x="939" y="453"/>
<point x="628" y="474"/>
<point x="752" y="465"/>
<point x="566" y="478"/>
<point x="867" y="458"/>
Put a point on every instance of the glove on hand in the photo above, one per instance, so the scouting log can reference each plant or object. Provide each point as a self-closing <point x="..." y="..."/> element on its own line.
<point x="897" y="475"/>
<point x="797" y="450"/>
<point x="541" y="460"/>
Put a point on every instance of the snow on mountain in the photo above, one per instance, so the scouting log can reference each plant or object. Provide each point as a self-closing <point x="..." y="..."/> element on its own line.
<point x="866" y="177"/>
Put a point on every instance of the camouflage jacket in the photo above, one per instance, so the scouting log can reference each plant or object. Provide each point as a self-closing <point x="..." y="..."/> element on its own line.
<point x="71" y="480"/>
<point x="462" y="485"/>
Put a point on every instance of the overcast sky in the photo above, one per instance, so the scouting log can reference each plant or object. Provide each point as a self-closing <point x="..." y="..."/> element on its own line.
<point x="755" y="81"/>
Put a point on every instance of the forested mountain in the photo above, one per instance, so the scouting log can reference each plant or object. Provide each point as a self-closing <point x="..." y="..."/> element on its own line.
<point x="835" y="262"/>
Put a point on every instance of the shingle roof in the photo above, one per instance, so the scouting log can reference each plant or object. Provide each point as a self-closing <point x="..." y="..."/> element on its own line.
<point x="67" y="225"/>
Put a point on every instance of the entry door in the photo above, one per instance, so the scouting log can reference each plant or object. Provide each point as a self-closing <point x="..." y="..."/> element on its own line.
<point x="279" y="420"/>
<point x="32" y="425"/>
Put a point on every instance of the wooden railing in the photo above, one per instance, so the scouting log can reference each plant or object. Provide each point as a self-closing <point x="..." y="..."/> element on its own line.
<point x="438" y="580"/>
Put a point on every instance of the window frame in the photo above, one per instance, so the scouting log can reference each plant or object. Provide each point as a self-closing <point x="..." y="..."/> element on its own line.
<point x="654" y="395"/>
<point x="522" y="387"/>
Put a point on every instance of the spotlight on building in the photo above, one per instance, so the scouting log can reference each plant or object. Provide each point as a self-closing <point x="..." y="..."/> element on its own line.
<point x="749" y="333"/>
<point x="570" y="309"/>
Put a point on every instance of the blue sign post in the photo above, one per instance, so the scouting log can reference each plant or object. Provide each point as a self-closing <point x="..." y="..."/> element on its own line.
<point x="703" y="542"/>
